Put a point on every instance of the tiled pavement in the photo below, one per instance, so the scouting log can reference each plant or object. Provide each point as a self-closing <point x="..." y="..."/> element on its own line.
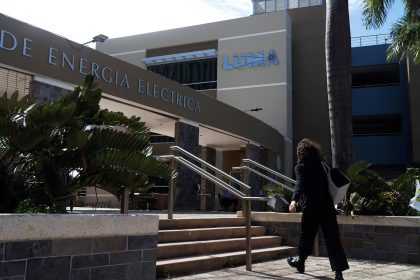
<point x="316" y="268"/>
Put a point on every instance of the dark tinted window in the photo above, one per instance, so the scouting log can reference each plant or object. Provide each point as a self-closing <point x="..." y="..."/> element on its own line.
<point x="387" y="74"/>
<point x="158" y="138"/>
<point x="197" y="74"/>
<point x="376" y="125"/>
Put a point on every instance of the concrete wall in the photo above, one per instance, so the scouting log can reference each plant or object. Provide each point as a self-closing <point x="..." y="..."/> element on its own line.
<point x="310" y="101"/>
<point x="363" y="237"/>
<point x="78" y="247"/>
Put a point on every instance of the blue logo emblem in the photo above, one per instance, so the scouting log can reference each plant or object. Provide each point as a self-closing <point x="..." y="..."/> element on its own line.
<point x="251" y="60"/>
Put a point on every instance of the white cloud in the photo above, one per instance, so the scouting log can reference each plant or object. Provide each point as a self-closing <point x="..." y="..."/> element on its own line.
<point x="79" y="20"/>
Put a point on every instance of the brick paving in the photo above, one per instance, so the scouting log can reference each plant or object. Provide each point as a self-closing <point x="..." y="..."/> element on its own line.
<point x="316" y="268"/>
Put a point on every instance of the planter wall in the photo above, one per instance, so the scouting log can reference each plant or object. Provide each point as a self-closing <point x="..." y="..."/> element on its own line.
<point x="363" y="237"/>
<point x="78" y="247"/>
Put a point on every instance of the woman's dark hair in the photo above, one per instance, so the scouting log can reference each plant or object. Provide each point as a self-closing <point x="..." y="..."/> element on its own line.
<point x="308" y="150"/>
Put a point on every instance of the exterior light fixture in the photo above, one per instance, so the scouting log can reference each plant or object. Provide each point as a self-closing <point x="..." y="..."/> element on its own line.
<point x="255" y="109"/>
<point x="98" y="38"/>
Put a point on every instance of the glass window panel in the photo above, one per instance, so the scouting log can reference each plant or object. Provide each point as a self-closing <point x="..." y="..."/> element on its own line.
<point x="315" y="2"/>
<point x="304" y="3"/>
<point x="270" y="6"/>
<point x="293" y="4"/>
<point x="259" y="6"/>
<point x="280" y="5"/>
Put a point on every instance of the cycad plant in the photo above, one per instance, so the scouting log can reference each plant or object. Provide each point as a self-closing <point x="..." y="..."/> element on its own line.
<point x="71" y="143"/>
<point x="369" y="193"/>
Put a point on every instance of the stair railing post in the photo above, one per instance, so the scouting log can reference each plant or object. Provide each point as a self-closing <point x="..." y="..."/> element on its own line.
<point x="247" y="211"/>
<point x="171" y="194"/>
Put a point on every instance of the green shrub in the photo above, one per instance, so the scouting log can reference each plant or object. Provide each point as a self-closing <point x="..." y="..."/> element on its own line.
<point x="370" y="194"/>
<point x="28" y="206"/>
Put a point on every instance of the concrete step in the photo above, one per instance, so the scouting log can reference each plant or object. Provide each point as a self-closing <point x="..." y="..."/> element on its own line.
<point x="200" y="223"/>
<point x="196" y="234"/>
<point x="184" y="249"/>
<point x="193" y="265"/>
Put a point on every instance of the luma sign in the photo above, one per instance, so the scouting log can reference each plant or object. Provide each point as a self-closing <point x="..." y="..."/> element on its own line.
<point x="250" y="60"/>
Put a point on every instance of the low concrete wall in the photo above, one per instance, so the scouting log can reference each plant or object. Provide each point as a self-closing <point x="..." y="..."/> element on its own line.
<point x="363" y="237"/>
<point x="78" y="247"/>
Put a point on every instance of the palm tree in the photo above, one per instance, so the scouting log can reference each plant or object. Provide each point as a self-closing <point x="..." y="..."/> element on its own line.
<point x="61" y="147"/>
<point x="405" y="33"/>
<point x="338" y="62"/>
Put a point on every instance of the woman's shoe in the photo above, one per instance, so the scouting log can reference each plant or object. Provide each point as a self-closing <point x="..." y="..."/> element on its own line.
<point x="296" y="263"/>
<point x="339" y="275"/>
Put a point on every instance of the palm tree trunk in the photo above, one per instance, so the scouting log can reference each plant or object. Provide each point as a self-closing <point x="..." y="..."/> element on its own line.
<point x="338" y="60"/>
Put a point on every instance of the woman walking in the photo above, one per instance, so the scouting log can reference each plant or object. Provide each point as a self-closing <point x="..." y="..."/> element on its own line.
<point x="317" y="209"/>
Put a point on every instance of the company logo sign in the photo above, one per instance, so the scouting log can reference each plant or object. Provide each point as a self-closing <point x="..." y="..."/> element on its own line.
<point x="251" y="60"/>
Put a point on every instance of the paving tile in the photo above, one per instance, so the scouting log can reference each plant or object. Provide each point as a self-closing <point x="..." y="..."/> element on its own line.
<point x="27" y="249"/>
<point x="90" y="261"/>
<point x="149" y="255"/>
<point x="126" y="257"/>
<point x="148" y="270"/>
<point x="80" y="274"/>
<point x="68" y="247"/>
<point x="130" y="272"/>
<point x="109" y="244"/>
<point x="1" y="251"/>
<point x="54" y="268"/>
<point x="13" y="268"/>
<point x="142" y="242"/>
<point x="14" y="278"/>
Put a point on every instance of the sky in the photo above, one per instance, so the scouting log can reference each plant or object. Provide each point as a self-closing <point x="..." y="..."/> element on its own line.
<point x="80" y="20"/>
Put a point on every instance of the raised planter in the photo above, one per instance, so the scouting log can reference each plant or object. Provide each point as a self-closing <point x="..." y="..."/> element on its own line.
<point x="78" y="247"/>
<point x="387" y="238"/>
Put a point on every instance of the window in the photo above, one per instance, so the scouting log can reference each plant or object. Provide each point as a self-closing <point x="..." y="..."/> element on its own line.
<point x="197" y="74"/>
<point x="158" y="138"/>
<point x="372" y="125"/>
<point x="293" y="4"/>
<point x="11" y="81"/>
<point x="376" y="75"/>
<point x="280" y="5"/>
<point x="270" y="6"/>
<point x="303" y="3"/>
<point x="259" y="6"/>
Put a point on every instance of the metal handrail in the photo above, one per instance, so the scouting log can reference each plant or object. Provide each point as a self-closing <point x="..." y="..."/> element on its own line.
<point x="264" y="176"/>
<point x="242" y="184"/>
<point x="245" y="199"/>
<point x="284" y="177"/>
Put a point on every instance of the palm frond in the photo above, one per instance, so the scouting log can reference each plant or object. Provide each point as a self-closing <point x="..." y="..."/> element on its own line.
<point x="405" y="37"/>
<point x="375" y="12"/>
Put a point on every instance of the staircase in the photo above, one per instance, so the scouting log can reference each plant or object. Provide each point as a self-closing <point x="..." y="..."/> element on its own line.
<point x="189" y="246"/>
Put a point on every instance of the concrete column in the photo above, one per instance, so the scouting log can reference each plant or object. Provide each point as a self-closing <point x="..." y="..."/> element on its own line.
<point x="186" y="137"/>
<point x="207" y="187"/>
<point x="253" y="152"/>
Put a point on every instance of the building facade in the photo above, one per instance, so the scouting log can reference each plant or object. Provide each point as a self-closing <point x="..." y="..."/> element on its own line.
<point x="250" y="87"/>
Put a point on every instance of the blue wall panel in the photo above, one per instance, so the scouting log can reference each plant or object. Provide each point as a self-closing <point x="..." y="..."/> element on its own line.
<point x="381" y="100"/>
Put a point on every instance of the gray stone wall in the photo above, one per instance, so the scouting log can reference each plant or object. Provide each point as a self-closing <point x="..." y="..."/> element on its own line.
<point x="123" y="257"/>
<point x="372" y="242"/>
<point x="382" y="243"/>
<point x="208" y="188"/>
<point x="186" y="137"/>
